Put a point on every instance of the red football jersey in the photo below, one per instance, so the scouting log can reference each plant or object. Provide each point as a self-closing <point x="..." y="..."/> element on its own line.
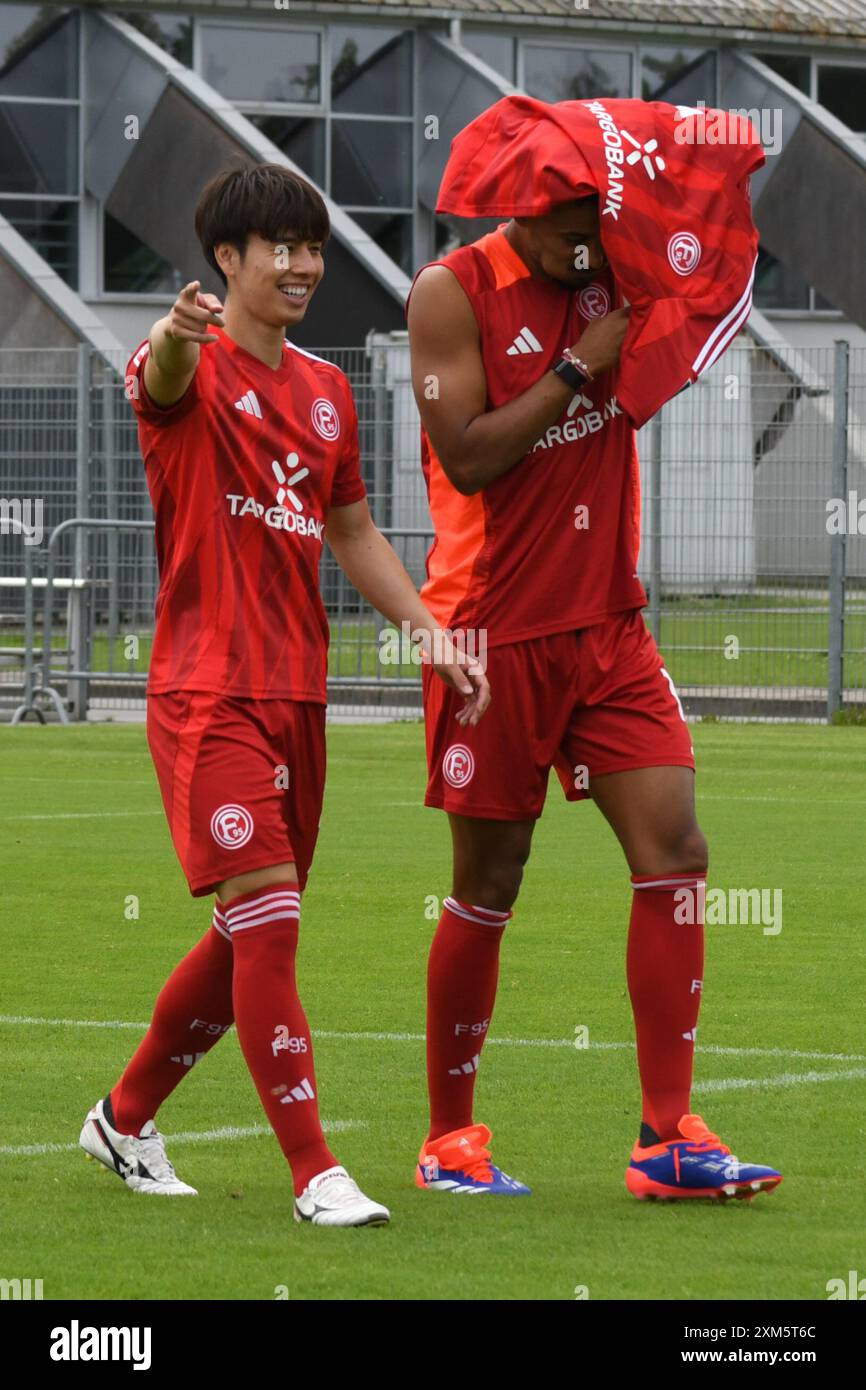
<point x="242" y="471"/>
<point x="552" y="544"/>
<point x="674" y="212"/>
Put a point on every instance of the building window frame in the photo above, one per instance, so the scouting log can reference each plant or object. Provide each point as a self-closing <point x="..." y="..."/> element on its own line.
<point x="471" y="29"/>
<point x="663" y="41"/>
<point x="323" y="109"/>
<point x="217" y="21"/>
<point x="839" y="60"/>
<point x="582" y="45"/>
<point x="858" y="61"/>
<point x="853" y="60"/>
<point x="320" y="110"/>
<point x="78" y="196"/>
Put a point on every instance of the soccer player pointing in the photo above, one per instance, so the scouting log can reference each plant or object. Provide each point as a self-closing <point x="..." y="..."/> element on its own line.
<point x="251" y="453"/>
<point x="533" y="481"/>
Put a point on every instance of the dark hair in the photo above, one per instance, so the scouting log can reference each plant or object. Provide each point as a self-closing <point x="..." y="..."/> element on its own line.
<point x="266" y="199"/>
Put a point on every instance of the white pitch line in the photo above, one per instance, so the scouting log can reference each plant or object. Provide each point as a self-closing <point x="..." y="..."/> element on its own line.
<point x="491" y="1042"/>
<point x="704" y="796"/>
<point x="73" y="1022"/>
<point x="813" y="801"/>
<point x="788" y="1078"/>
<point x="600" y="1046"/>
<point x="118" y="781"/>
<point x="83" y="815"/>
<point x="207" y="1136"/>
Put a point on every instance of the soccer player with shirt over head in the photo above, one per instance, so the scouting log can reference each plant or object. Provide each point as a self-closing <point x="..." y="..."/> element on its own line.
<point x="532" y="474"/>
<point x="251" y="454"/>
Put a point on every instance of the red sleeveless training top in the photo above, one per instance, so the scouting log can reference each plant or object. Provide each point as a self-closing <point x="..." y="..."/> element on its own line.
<point x="552" y="544"/>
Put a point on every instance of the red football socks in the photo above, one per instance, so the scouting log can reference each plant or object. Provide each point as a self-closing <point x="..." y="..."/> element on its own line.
<point x="193" y="1011"/>
<point x="271" y="1024"/>
<point x="462" y="974"/>
<point x="665" y="963"/>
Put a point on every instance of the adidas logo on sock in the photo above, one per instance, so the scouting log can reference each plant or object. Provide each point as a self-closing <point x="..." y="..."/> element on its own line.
<point x="525" y="341"/>
<point x="249" y="404"/>
<point x="302" y="1092"/>
<point x="691" y="1035"/>
<point x="188" y="1059"/>
<point x="466" y="1068"/>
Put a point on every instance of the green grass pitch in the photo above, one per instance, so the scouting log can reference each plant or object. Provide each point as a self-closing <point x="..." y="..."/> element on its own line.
<point x="82" y="830"/>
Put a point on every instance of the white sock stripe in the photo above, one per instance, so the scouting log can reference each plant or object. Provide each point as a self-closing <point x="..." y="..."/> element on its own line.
<point x="284" y="895"/>
<point x="266" y="914"/>
<point x="263" y="896"/>
<point x="493" y="913"/>
<point x="242" y="913"/>
<point x="671" y="883"/>
<point x="218" y="912"/>
<point x="223" y="931"/>
<point x="259" y="921"/>
<point x="460" y="910"/>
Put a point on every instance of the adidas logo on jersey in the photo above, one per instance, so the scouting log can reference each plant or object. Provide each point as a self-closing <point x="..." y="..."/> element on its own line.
<point x="249" y="404"/>
<point x="525" y="341"/>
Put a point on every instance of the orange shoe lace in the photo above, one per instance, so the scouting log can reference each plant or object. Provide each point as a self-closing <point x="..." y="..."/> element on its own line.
<point x="477" y="1165"/>
<point x="469" y="1157"/>
<point x="702" y="1139"/>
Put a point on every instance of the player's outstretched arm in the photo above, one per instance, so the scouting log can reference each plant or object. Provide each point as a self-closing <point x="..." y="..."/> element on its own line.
<point x="174" y="343"/>
<point x="476" y="445"/>
<point x="376" y="571"/>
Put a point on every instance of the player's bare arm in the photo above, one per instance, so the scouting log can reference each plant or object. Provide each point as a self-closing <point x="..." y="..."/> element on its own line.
<point x="476" y="445"/>
<point x="175" y="340"/>
<point x="376" y="571"/>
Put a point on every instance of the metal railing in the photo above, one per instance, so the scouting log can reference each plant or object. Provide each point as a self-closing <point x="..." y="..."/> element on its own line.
<point x="757" y="602"/>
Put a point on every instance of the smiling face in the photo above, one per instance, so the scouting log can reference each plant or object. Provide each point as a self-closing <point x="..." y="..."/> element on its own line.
<point x="564" y="245"/>
<point x="273" y="281"/>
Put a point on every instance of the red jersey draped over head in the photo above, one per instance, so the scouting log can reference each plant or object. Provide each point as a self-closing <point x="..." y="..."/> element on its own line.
<point x="552" y="544"/>
<point x="675" y="214"/>
<point x="242" y="471"/>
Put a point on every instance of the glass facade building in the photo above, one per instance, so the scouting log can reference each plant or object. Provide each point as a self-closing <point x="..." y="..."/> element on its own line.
<point x="340" y="99"/>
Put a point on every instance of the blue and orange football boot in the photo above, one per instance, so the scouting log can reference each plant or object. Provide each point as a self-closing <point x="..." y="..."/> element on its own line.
<point x="460" y="1162"/>
<point x="696" y="1165"/>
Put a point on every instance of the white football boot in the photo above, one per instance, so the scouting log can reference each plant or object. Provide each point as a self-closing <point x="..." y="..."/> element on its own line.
<point x="140" y="1160"/>
<point x="333" y="1198"/>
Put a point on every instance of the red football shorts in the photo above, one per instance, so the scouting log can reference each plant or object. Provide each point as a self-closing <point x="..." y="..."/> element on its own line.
<point x="589" y="702"/>
<point x="242" y="782"/>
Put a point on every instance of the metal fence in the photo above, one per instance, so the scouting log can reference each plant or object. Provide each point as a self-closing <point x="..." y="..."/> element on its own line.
<point x="752" y="550"/>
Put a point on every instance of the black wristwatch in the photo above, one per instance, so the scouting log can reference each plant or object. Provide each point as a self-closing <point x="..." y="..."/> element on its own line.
<point x="573" y="371"/>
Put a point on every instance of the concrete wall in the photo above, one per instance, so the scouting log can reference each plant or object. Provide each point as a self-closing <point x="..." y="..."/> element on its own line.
<point x="26" y="320"/>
